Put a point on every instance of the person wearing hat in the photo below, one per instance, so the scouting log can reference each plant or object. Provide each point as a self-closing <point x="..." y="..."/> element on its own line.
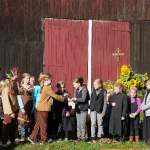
<point x="9" y="92"/>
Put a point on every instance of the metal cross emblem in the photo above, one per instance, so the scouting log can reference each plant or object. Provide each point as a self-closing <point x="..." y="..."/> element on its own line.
<point x="117" y="55"/>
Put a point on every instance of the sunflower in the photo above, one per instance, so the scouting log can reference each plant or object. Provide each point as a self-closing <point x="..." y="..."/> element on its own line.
<point x="133" y="83"/>
<point x="125" y="70"/>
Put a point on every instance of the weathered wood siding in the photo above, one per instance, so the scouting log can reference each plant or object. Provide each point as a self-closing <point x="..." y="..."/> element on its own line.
<point x="21" y="39"/>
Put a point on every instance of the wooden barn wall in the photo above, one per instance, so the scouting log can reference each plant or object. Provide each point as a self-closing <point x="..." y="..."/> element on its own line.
<point x="21" y="42"/>
<point x="21" y="39"/>
<point x="107" y="36"/>
<point x="140" y="45"/>
<point x="100" y="9"/>
<point x="64" y="58"/>
<point x="78" y="9"/>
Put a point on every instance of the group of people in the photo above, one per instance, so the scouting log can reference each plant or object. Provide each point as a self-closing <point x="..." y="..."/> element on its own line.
<point x="35" y="112"/>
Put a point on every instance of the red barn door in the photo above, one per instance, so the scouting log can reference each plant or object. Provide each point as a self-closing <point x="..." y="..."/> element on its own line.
<point x="65" y="54"/>
<point x="66" y="49"/>
<point x="108" y="36"/>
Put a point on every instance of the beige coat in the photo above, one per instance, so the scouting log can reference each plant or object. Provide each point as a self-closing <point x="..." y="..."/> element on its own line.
<point x="9" y="101"/>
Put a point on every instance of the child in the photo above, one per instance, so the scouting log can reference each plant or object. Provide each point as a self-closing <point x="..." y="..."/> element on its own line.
<point x="36" y="95"/>
<point x="32" y="81"/>
<point x="119" y="105"/>
<point x="134" y="114"/>
<point x="26" y="106"/>
<point x="81" y="99"/>
<point x="146" y="109"/>
<point x="58" y="109"/>
<point x="36" y="91"/>
<point x="10" y="110"/>
<point x="98" y="108"/>
<point x="43" y="108"/>
<point x="66" y="120"/>
<point x="1" y="111"/>
<point x="106" y="118"/>
<point x="65" y="113"/>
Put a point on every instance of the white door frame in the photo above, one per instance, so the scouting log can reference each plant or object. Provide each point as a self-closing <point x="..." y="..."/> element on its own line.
<point x="90" y="24"/>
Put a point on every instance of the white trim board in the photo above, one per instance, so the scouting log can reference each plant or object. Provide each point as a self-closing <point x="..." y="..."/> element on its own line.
<point x="90" y="24"/>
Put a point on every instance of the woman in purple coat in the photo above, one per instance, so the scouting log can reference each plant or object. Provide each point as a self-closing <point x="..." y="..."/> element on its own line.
<point x="134" y="114"/>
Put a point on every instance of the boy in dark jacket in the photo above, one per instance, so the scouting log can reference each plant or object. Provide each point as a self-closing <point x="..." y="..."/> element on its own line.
<point x="81" y="99"/>
<point x="98" y="108"/>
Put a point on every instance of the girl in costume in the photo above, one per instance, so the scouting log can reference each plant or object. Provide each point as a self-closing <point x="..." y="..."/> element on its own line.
<point x="134" y="114"/>
<point x="26" y="106"/>
<point x="10" y="106"/>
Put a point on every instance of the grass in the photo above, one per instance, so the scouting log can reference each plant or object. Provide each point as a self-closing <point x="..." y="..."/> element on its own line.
<point x="63" y="145"/>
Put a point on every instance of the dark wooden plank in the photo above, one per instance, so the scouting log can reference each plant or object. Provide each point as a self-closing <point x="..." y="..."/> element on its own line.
<point x="21" y="26"/>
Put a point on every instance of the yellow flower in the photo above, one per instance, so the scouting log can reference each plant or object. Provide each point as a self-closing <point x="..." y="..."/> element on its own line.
<point x="126" y="85"/>
<point x="119" y="81"/>
<point x="133" y="83"/>
<point x="125" y="70"/>
<point x="124" y="66"/>
<point x="145" y="77"/>
<point x="109" y="85"/>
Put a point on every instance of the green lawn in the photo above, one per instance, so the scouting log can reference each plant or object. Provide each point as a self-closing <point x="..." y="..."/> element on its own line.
<point x="62" y="145"/>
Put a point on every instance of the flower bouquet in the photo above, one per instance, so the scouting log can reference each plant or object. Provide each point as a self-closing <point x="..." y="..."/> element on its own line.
<point x="129" y="79"/>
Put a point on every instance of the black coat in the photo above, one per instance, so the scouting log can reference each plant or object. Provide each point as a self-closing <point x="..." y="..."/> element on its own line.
<point x="1" y="108"/>
<point x="120" y="110"/>
<point x="67" y="122"/>
<point x="83" y="98"/>
<point x="58" y="109"/>
<point x="97" y="100"/>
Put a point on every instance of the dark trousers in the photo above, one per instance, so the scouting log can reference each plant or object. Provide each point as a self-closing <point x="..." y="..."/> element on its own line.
<point x="40" y="125"/>
<point x="134" y="126"/>
<point x="1" y="127"/>
<point x="146" y="129"/>
<point x="9" y="131"/>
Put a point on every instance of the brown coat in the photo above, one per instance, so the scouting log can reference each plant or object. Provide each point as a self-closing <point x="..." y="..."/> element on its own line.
<point x="27" y="100"/>
<point x="46" y="99"/>
<point x="28" y="105"/>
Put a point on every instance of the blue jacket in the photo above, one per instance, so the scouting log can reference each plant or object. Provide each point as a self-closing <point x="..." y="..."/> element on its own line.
<point x="36" y="95"/>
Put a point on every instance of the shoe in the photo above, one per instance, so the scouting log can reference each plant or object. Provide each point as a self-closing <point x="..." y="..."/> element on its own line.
<point x="12" y="143"/>
<point x="93" y="139"/>
<point x="130" y="139"/>
<point x="31" y="140"/>
<point x="50" y="140"/>
<point x="137" y="139"/>
<point x="84" y="140"/>
<point x="17" y="140"/>
<point x="66" y="139"/>
<point x="98" y="138"/>
<point x="42" y="143"/>
<point x="3" y="145"/>
<point x="60" y="139"/>
<point x="119" y="139"/>
<point x="22" y="139"/>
